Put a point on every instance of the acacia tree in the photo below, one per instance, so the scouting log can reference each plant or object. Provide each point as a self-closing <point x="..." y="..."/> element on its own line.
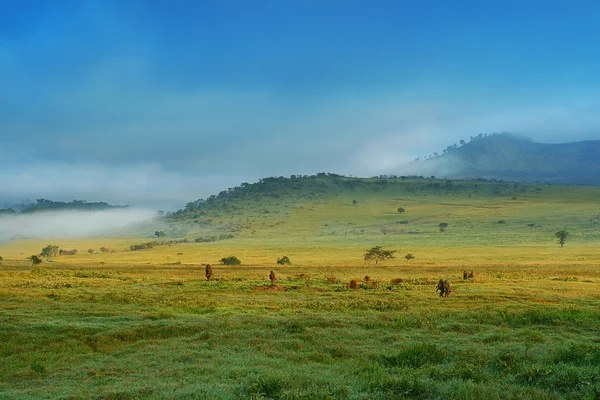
<point x="443" y="226"/>
<point x="377" y="254"/>
<point x="562" y="237"/>
<point x="49" y="251"/>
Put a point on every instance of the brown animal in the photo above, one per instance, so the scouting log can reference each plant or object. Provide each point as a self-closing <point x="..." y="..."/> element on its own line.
<point x="208" y="272"/>
<point x="465" y="275"/>
<point x="272" y="277"/>
<point x="447" y="290"/>
<point x="440" y="287"/>
<point x="353" y="285"/>
<point x="397" y="281"/>
<point x="367" y="279"/>
<point x="471" y="275"/>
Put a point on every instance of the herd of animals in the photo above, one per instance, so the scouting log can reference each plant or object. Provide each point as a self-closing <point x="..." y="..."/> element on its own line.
<point x="443" y="286"/>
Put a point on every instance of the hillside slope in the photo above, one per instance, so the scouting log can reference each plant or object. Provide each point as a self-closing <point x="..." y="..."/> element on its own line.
<point x="335" y="210"/>
<point x="510" y="157"/>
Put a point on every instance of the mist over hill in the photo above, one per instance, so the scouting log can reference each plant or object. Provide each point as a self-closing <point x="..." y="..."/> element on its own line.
<point x="516" y="158"/>
<point x="74" y="219"/>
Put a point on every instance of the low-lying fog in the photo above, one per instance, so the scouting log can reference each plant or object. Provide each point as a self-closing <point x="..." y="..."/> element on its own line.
<point x="71" y="224"/>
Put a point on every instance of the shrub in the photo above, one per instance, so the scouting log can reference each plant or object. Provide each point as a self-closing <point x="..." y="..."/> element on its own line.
<point x="68" y="252"/>
<point x="401" y="210"/>
<point x="142" y="246"/>
<point x="231" y="260"/>
<point x="91" y="251"/>
<point x="35" y="260"/>
<point x="409" y="257"/>
<point x="285" y="260"/>
<point x="49" y="251"/>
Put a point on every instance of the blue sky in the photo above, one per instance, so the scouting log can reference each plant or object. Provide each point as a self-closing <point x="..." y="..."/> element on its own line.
<point x="160" y="102"/>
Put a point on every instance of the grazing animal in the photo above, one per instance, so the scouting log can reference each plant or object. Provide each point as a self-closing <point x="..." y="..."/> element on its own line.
<point x="353" y="285"/>
<point x="208" y="272"/>
<point x="367" y="279"/>
<point x="465" y="275"/>
<point x="272" y="277"/>
<point x="440" y="287"/>
<point x="471" y="275"/>
<point x="447" y="290"/>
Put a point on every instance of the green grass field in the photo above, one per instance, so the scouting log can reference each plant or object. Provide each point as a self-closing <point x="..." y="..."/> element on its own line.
<point x="146" y="324"/>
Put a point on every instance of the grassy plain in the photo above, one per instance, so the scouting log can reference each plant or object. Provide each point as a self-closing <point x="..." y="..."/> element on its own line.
<point x="146" y="324"/>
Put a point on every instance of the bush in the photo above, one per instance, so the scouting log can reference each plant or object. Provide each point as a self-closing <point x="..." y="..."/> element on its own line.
<point x="35" y="260"/>
<point x="68" y="252"/>
<point x="231" y="260"/>
<point x="409" y="257"/>
<point x="401" y="210"/>
<point x="141" y="246"/>
<point x="285" y="260"/>
<point x="49" y="251"/>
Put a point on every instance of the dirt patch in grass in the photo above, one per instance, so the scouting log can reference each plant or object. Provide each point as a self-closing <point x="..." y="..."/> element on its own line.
<point x="271" y="288"/>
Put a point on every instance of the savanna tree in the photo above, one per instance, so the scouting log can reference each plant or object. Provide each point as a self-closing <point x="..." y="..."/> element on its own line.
<point x="49" y="251"/>
<point x="377" y="254"/>
<point x="562" y="237"/>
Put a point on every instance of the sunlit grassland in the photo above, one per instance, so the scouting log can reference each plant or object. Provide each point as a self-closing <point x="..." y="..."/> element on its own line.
<point x="146" y="324"/>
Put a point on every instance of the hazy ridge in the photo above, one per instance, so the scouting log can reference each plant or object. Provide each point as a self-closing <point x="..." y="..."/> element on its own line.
<point x="515" y="158"/>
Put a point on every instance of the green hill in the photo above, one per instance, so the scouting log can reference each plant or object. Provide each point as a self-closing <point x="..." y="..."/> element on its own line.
<point x="337" y="210"/>
<point x="512" y="157"/>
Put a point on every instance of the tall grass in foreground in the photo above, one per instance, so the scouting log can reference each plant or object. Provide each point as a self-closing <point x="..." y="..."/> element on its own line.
<point x="167" y="333"/>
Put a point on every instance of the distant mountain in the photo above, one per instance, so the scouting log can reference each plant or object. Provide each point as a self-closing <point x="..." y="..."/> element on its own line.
<point x="516" y="158"/>
<point x="49" y="205"/>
